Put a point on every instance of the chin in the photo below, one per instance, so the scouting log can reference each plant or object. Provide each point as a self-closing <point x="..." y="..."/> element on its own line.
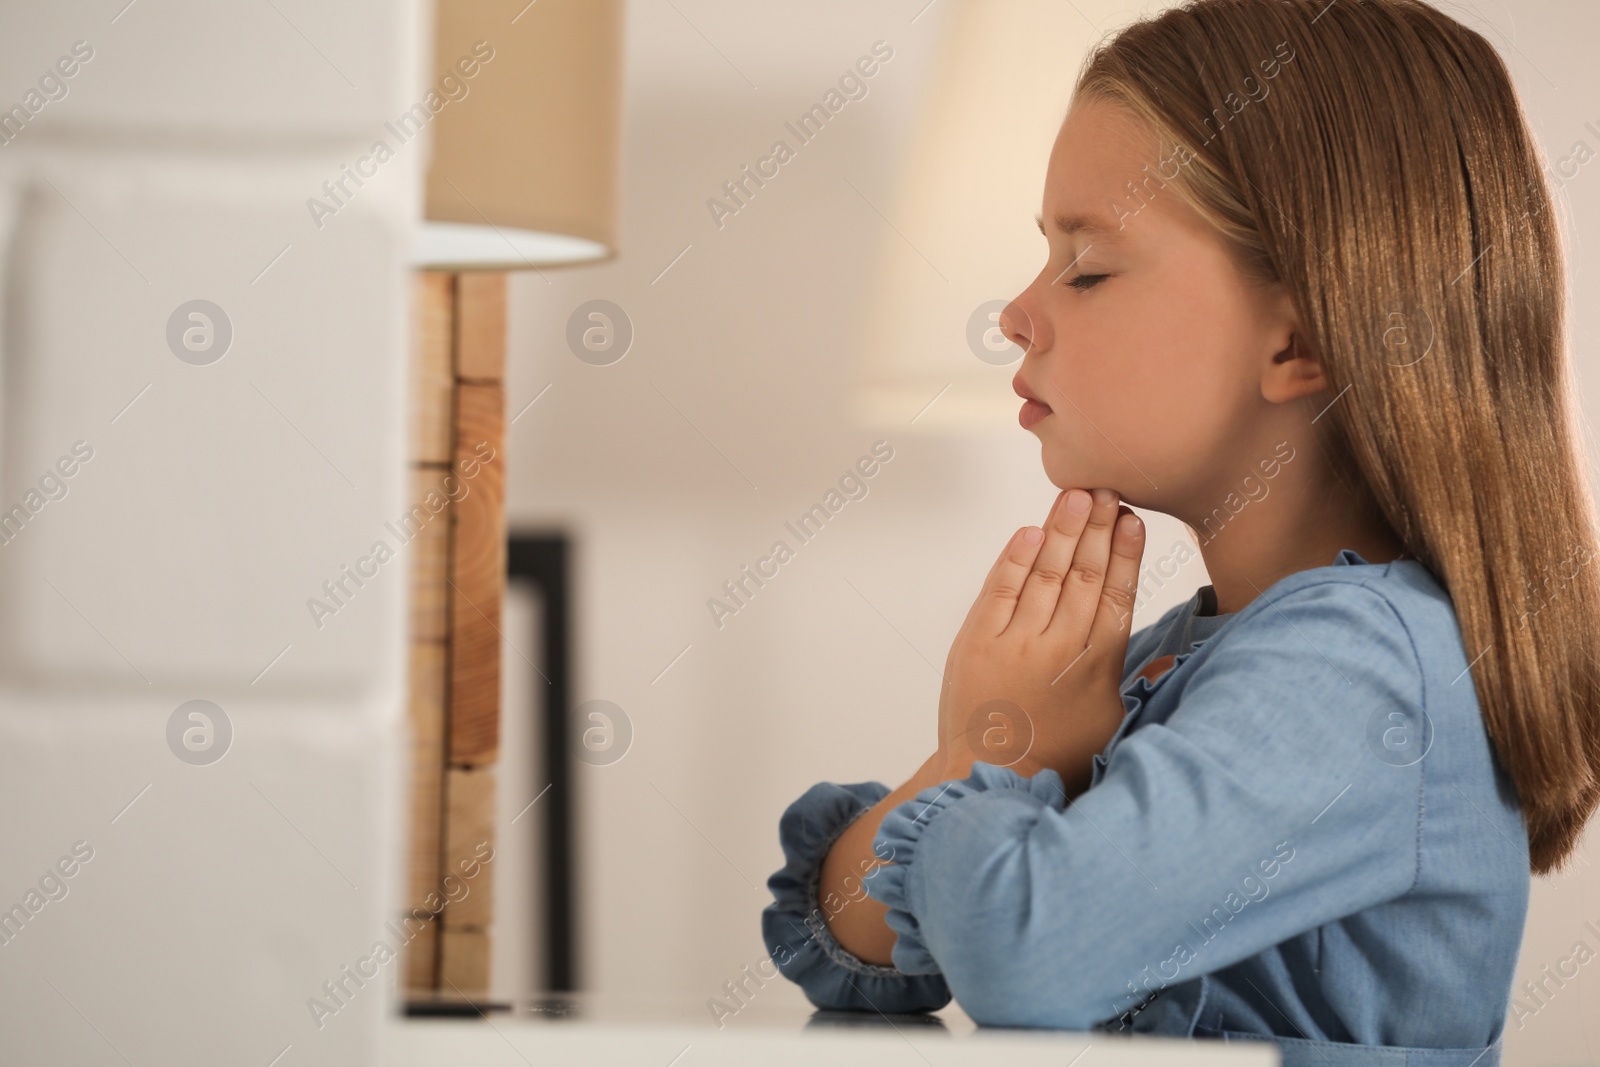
<point x="1070" y="474"/>
<point x="1067" y="475"/>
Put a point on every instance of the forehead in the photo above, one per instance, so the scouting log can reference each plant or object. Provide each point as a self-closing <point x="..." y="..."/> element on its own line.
<point x="1100" y="148"/>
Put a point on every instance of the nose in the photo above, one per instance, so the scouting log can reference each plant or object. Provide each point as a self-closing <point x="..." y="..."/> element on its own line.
<point x="1017" y="325"/>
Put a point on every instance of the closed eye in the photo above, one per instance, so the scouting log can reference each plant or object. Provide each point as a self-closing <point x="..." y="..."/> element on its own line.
<point x="1087" y="281"/>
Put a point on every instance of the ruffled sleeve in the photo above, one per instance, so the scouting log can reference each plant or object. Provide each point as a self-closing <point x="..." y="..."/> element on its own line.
<point x="1261" y="778"/>
<point x="794" y="927"/>
<point x="902" y="828"/>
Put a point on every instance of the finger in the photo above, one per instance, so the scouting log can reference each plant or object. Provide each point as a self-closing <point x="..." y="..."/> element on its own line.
<point x="1043" y="588"/>
<point x="1114" y="619"/>
<point x="999" y="563"/>
<point x="1000" y="560"/>
<point x="998" y="601"/>
<point x="1080" y="594"/>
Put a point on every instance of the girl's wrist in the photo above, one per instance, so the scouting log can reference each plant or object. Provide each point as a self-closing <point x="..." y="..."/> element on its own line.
<point x="954" y="762"/>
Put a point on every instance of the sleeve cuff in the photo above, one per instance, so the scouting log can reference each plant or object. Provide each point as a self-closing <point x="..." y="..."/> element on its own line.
<point x="794" y="928"/>
<point x="901" y="831"/>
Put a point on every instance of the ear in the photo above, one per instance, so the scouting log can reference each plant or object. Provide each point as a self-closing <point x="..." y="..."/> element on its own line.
<point x="1294" y="370"/>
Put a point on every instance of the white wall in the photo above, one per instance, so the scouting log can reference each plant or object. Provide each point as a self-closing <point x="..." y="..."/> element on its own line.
<point x="176" y="166"/>
<point x="679" y="464"/>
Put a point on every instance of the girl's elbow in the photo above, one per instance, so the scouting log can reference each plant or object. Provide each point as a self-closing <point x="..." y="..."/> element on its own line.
<point x="1005" y="982"/>
<point x="1029" y="1004"/>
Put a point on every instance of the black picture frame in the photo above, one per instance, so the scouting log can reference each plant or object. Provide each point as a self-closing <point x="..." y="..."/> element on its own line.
<point x="543" y="560"/>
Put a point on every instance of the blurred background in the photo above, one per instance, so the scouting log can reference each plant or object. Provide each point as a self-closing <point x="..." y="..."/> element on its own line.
<point x="757" y="341"/>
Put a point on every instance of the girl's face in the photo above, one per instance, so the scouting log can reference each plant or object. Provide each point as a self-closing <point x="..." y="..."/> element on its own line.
<point x="1147" y="345"/>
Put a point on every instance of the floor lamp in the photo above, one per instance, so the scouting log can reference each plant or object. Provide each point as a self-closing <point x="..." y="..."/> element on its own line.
<point x="523" y="115"/>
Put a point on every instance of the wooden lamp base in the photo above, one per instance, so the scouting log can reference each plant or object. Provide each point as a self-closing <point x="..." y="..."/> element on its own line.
<point x="456" y="528"/>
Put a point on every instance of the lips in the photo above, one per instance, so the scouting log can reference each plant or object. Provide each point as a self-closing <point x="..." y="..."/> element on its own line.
<point x="1022" y="390"/>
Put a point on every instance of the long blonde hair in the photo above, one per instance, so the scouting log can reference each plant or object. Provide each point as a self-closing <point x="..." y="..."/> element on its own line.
<point x="1372" y="157"/>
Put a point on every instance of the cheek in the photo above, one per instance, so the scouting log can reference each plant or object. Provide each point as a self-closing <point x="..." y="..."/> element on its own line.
<point x="1156" y="388"/>
<point x="1125" y="372"/>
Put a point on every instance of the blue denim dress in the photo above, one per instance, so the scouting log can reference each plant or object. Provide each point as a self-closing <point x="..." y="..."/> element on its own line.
<point x="1299" y="834"/>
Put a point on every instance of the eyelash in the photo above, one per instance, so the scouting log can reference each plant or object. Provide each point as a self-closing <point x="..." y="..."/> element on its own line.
<point x="1094" y="280"/>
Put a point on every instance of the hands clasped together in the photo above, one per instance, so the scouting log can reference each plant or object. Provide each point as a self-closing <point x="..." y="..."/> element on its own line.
<point x="1033" y="679"/>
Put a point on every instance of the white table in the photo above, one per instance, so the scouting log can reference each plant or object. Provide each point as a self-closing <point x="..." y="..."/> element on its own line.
<point x="666" y="1032"/>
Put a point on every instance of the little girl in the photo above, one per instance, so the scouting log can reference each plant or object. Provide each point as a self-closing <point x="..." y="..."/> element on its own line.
<point x="1304" y="292"/>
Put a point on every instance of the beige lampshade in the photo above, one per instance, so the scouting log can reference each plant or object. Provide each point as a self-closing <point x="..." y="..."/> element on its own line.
<point x="524" y="166"/>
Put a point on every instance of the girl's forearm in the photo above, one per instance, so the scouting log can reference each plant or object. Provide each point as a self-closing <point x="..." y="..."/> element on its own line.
<point x="855" y="919"/>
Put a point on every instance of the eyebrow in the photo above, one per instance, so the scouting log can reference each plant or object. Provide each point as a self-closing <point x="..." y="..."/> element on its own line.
<point x="1075" y="223"/>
